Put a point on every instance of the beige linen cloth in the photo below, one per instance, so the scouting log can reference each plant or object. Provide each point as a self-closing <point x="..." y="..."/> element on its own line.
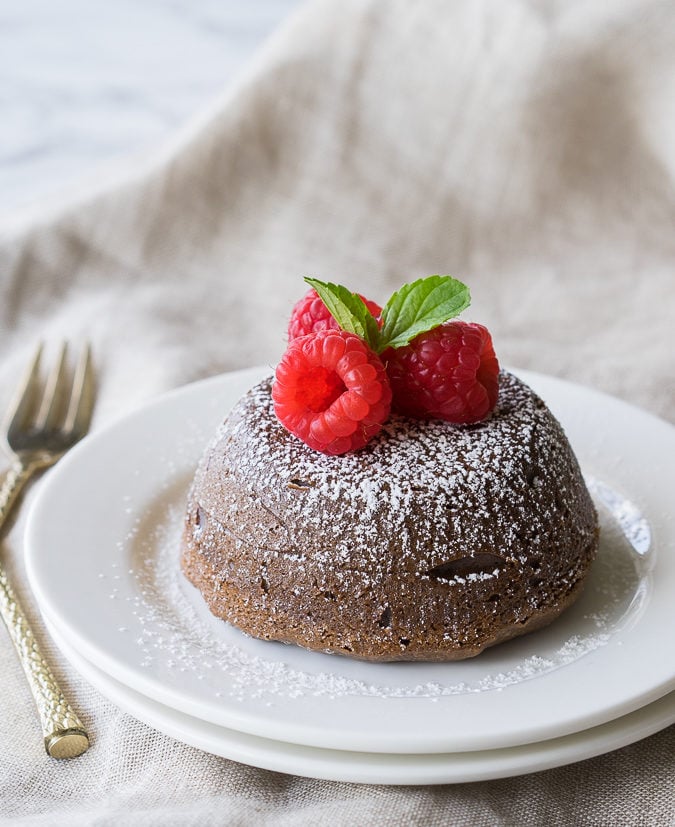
<point x="527" y="148"/>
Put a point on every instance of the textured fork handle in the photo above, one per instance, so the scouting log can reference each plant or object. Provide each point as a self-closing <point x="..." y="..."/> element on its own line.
<point x="13" y="484"/>
<point x="64" y="734"/>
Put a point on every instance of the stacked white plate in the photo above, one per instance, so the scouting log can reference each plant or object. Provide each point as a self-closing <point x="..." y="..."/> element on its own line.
<point x="103" y="546"/>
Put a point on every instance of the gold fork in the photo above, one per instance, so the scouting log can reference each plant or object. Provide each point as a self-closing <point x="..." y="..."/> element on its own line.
<point x="39" y="429"/>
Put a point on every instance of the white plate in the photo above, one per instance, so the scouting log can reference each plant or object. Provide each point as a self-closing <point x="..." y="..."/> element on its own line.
<point x="377" y="768"/>
<point x="102" y="544"/>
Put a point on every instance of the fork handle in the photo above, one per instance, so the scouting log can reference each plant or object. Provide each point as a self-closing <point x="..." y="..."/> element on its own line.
<point x="13" y="484"/>
<point x="63" y="732"/>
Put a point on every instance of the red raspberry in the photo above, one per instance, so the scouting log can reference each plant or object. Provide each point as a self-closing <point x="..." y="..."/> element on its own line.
<point x="450" y="372"/>
<point x="331" y="391"/>
<point x="310" y="315"/>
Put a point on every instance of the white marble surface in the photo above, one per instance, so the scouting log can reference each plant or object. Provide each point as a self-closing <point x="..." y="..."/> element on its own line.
<point x="87" y="82"/>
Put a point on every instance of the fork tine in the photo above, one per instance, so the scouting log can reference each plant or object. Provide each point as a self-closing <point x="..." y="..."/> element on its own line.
<point x="54" y="394"/>
<point x="23" y="402"/>
<point x="82" y="395"/>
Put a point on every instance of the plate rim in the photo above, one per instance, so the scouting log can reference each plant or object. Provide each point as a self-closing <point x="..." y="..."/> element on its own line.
<point x="404" y="769"/>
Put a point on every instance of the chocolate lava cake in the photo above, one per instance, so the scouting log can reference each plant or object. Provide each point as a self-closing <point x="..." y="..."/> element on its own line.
<point x="432" y="543"/>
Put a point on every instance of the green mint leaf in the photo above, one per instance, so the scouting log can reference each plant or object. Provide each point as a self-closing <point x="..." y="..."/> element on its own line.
<point x="421" y="306"/>
<point x="348" y="310"/>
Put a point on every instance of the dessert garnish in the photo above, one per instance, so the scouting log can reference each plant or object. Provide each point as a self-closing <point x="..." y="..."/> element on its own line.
<point x="331" y="391"/>
<point x="450" y="372"/>
<point x="310" y="315"/>
<point x="349" y="362"/>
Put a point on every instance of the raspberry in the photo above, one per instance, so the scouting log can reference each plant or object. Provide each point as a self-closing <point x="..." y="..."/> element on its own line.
<point x="449" y="373"/>
<point x="310" y="315"/>
<point x="331" y="391"/>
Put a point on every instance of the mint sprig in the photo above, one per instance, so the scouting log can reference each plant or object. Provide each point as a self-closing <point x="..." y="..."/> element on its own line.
<point x="421" y="306"/>
<point x="348" y="310"/>
<point x="415" y="308"/>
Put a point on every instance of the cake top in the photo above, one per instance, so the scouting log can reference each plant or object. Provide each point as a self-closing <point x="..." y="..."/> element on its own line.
<point x="407" y="452"/>
<point x="438" y="487"/>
